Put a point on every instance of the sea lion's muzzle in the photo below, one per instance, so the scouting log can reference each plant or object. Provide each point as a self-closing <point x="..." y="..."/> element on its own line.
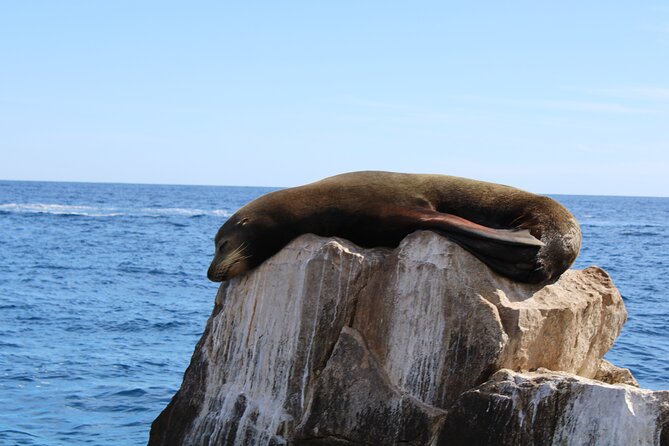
<point x="215" y="271"/>
<point x="228" y="264"/>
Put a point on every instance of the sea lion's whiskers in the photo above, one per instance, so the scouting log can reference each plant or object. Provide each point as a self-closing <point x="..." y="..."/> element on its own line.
<point x="234" y="252"/>
<point x="236" y="256"/>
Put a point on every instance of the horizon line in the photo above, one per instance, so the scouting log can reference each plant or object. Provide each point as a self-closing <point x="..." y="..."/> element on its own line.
<point x="284" y="187"/>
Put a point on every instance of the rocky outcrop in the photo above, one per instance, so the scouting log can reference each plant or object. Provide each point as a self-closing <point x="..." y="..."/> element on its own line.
<point x="330" y="343"/>
<point x="556" y="409"/>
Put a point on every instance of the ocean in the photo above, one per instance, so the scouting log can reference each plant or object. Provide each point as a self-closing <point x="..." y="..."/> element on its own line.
<point x="103" y="296"/>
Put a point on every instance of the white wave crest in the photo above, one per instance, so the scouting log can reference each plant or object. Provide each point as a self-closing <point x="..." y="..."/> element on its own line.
<point x="93" y="211"/>
<point x="59" y="209"/>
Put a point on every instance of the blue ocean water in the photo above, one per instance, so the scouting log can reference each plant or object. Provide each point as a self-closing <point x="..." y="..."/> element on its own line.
<point x="103" y="296"/>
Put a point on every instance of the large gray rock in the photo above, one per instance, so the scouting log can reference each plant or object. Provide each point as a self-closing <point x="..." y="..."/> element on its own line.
<point x="552" y="408"/>
<point x="329" y="343"/>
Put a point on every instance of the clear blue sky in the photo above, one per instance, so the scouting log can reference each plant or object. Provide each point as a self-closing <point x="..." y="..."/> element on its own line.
<point x="553" y="97"/>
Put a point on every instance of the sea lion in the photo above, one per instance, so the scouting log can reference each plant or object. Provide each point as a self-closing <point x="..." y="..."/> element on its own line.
<point x="523" y="236"/>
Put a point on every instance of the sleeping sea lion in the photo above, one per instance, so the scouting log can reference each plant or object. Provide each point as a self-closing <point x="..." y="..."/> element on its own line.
<point x="523" y="236"/>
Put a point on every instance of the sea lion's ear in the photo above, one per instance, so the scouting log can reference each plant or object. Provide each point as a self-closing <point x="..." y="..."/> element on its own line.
<point x="243" y="221"/>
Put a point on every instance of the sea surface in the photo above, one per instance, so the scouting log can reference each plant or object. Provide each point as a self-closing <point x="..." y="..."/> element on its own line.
<point x="103" y="296"/>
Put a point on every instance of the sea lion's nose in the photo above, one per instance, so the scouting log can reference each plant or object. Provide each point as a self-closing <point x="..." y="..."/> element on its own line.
<point x="211" y="272"/>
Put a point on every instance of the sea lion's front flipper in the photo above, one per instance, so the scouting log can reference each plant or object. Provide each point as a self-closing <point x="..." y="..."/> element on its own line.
<point x="511" y="252"/>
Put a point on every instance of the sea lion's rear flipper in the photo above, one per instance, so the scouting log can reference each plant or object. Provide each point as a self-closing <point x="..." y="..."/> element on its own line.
<point x="452" y="224"/>
<point x="511" y="252"/>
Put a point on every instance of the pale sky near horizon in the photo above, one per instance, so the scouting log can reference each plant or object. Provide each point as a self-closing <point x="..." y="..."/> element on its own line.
<point x="560" y="97"/>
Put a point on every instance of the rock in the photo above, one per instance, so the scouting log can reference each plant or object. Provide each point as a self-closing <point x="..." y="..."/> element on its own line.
<point x="330" y="343"/>
<point x="375" y="412"/>
<point x="556" y="409"/>
<point x="432" y="311"/>
<point x="612" y="374"/>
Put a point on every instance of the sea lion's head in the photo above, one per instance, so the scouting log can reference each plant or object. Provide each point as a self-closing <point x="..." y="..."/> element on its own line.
<point x="241" y="244"/>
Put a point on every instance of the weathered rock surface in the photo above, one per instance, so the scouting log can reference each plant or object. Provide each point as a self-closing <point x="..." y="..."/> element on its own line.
<point x="556" y="409"/>
<point x="612" y="374"/>
<point x="330" y="343"/>
<point x="353" y="379"/>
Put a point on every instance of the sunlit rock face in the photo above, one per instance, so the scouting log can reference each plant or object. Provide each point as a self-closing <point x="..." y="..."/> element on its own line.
<point x="553" y="408"/>
<point x="330" y="343"/>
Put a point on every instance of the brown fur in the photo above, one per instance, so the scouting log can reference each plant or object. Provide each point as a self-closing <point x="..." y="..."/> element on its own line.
<point x="521" y="235"/>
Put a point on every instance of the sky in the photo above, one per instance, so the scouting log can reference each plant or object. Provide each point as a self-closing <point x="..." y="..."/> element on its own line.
<point x="552" y="97"/>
